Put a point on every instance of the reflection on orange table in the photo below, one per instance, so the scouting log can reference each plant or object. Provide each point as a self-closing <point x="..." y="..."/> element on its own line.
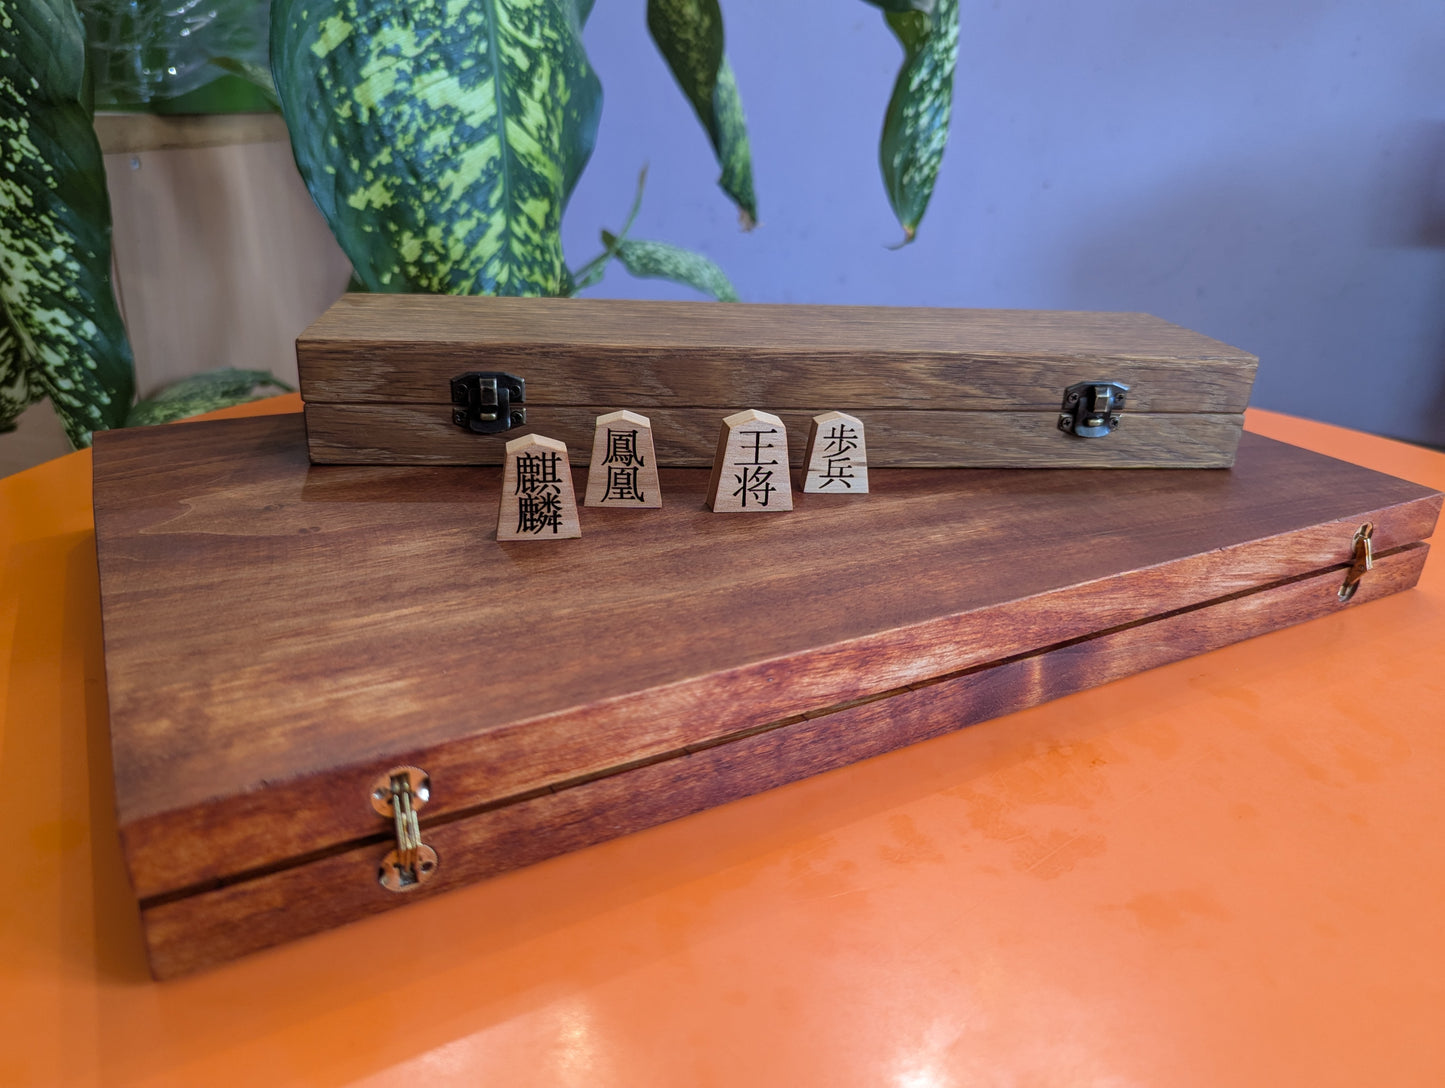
<point x="1226" y="871"/>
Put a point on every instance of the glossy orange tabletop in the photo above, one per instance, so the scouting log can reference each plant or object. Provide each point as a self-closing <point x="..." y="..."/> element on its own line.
<point x="1228" y="871"/>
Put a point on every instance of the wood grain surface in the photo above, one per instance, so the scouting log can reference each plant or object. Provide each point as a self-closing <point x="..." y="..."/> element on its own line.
<point x="396" y="349"/>
<point x="277" y="634"/>
<point x="129" y="133"/>
<point x="412" y="434"/>
<point x="376" y="371"/>
<point x="189" y="934"/>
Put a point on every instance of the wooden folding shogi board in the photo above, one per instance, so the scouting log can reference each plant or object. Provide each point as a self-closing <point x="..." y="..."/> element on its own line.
<point x="303" y="658"/>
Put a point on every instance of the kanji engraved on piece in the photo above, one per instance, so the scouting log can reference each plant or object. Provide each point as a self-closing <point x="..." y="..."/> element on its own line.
<point x="537" y="498"/>
<point x="750" y="470"/>
<point x="836" y="459"/>
<point x="623" y="471"/>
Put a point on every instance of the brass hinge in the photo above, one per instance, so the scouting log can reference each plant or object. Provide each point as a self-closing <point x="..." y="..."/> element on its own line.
<point x="397" y="795"/>
<point x="1364" y="560"/>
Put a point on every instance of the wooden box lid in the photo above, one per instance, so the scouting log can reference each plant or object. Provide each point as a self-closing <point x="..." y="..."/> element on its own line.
<point x="935" y="387"/>
<point x="278" y="634"/>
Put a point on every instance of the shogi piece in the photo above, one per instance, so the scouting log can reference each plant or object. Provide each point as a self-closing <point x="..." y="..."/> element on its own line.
<point x="750" y="468"/>
<point x="538" y="502"/>
<point x="836" y="459"/>
<point x="623" y="471"/>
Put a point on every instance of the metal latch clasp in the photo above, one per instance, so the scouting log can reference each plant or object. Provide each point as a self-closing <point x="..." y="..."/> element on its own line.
<point x="397" y="795"/>
<point x="1091" y="409"/>
<point x="1363" y="560"/>
<point x="488" y="401"/>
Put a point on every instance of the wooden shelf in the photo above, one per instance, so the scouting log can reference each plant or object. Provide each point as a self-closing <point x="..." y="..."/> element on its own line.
<point x="127" y="133"/>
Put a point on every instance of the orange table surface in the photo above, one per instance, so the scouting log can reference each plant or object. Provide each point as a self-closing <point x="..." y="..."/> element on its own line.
<point x="1227" y="871"/>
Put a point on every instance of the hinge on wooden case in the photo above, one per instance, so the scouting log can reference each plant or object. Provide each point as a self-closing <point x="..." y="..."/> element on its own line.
<point x="1091" y="409"/>
<point x="488" y="401"/>
<point x="1364" y="560"/>
<point x="398" y="794"/>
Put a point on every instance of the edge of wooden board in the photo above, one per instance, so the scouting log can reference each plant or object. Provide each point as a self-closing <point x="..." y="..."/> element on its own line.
<point x="177" y="850"/>
<point x="424" y="434"/>
<point x="850" y="379"/>
<point x="188" y="934"/>
<point x="421" y="322"/>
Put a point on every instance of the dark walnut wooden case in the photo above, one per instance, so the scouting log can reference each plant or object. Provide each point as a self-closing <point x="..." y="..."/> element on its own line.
<point x="934" y="388"/>
<point x="278" y="635"/>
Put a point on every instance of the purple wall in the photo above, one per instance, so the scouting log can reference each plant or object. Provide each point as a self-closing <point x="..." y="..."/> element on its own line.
<point x="1271" y="173"/>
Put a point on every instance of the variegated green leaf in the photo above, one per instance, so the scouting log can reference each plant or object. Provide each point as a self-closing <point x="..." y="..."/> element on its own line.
<point x="55" y="286"/>
<point x="658" y="260"/>
<point x="731" y="141"/>
<point x="915" y="130"/>
<point x="689" y="34"/>
<point x="203" y="393"/>
<point x="16" y="391"/>
<point x="440" y="138"/>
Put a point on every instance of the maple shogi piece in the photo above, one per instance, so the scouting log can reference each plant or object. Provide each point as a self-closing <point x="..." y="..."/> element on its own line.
<point x="623" y="471"/>
<point x="750" y="469"/>
<point x="836" y="458"/>
<point x="537" y="498"/>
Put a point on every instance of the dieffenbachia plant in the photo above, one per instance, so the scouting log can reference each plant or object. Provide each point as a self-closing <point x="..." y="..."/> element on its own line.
<point x="689" y="34"/>
<point x="655" y="260"/>
<point x="442" y="138"/>
<point x="60" y="331"/>
<point x="915" y="129"/>
<point x="204" y="393"/>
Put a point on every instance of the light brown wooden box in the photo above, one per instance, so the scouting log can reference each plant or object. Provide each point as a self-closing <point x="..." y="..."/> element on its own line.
<point x="933" y="387"/>
<point x="278" y="635"/>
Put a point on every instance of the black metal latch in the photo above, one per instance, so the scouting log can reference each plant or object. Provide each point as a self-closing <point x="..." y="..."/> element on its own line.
<point x="488" y="401"/>
<point x="1091" y="409"/>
